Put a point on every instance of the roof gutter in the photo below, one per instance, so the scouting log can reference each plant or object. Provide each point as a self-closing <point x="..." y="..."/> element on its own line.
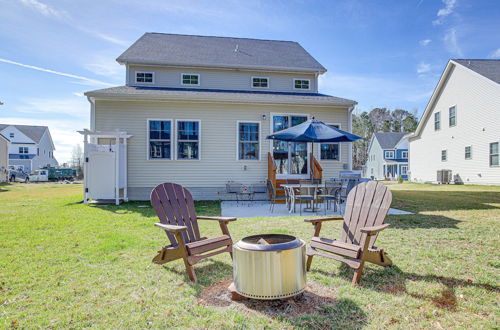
<point x="227" y="67"/>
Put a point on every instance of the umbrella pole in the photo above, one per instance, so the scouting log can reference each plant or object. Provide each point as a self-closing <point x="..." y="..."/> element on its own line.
<point x="312" y="161"/>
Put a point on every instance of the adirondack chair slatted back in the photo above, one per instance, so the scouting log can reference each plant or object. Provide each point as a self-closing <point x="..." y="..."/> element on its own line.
<point x="174" y="206"/>
<point x="367" y="205"/>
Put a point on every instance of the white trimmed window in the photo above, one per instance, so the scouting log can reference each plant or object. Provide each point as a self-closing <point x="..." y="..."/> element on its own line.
<point x="301" y="83"/>
<point x="260" y="82"/>
<point x="437" y="121"/>
<point x="248" y="140"/>
<point x="468" y="152"/>
<point x="404" y="169"/>
<point x="190" y="79"/>
<point x="453" y="116"/>
<point x="330" y="151"/>
<point x="494" y="154"/>
<point x="23" y="150"/>
<point x="160" y="139"/>
<point x="188" y="139"/>
<point x="404" y="154"/>
<point x="389" y="154"/>
<point x="444" y="155"/>
<point x="144" y="77"/>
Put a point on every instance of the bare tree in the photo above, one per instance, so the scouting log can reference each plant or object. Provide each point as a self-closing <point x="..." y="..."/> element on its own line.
<point x="77" y="161"/>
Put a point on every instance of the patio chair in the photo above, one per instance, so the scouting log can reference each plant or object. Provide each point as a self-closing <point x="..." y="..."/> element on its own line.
<point x="175" y="207"/>
<point x="347" y="186"/>
<point x="367" y="206"/>
<point x="274" y="197"/>
<point x="330" y="193"/>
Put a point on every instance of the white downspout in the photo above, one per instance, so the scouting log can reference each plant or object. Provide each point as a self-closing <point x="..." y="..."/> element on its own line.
<point x="92" y="112"/>
<point x="349" y="129"/>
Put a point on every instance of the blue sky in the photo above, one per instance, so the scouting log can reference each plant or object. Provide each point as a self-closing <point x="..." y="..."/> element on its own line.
<point x="380" y="53"/>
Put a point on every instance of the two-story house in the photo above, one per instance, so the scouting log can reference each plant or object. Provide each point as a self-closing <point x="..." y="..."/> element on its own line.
<point x="387" y="156"/>
<point x="199" y="109"/>
<point x="30" y="147"/>
<point x="460" y="127"/>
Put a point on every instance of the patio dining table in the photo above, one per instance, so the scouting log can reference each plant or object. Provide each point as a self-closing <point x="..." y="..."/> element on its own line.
<point x="291" y="196"/>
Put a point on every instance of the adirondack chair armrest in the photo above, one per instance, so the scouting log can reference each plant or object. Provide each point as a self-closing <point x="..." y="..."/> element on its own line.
<point x="171" y="228"/>
<point x="220" y="219"/>
<point x="373" y="230"/>
<point x="313" y="221"/>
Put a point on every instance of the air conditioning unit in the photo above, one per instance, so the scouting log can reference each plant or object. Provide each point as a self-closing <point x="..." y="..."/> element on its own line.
<point x="444" y="176"/>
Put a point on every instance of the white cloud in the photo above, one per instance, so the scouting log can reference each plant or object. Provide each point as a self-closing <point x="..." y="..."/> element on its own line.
<point x="449" y="6"/>
<point x="495" y="54"/>
<point x="79" y="94"/>
<point x="81" y="78"/>
<point x="423" y="67"/>
<point x="44" y="9"/>
<point x="75" y="107"/>
<point x="451" y="42"/>
<point x="424" y="42"/>
<point x="64" y="17"/>
<point x="378" y="91"/>
<point x="105" y="65"/>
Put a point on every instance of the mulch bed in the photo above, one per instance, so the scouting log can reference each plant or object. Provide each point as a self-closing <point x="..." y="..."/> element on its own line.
<point x="312" y="301"/>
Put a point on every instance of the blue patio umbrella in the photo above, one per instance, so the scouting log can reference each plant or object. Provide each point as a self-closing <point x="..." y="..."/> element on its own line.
<point x="313" y="131"/>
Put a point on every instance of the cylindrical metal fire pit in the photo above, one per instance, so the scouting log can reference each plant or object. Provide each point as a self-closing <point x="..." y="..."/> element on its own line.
<point x="269" y="266"/>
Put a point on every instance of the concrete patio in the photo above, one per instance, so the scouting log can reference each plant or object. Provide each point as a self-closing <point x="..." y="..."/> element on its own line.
<point x="251" y="209"/>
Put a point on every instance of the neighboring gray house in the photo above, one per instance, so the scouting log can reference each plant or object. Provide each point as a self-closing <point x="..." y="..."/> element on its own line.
<point x="30" y="147"/>
<point x="199" y="109"/>
<point x="460" y="128"/>
<point x="387" y="156"/>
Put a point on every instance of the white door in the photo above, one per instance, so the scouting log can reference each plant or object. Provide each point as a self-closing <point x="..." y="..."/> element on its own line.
<point x="101" y="167"/>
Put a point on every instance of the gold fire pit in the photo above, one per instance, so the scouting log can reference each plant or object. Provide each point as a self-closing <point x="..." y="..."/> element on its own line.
<point x="269" y="266"/>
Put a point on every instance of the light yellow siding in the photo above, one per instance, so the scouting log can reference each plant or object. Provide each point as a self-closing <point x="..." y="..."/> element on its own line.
<point x="221" y="79"/>
<point x="218" y="149"/>
<point x="477" y="101"/>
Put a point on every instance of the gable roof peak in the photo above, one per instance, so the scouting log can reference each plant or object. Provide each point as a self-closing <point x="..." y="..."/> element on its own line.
<point x="33" y="132"/>
<point x="154" y="48"/>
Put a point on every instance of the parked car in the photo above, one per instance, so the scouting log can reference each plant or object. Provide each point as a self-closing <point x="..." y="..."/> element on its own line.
<point x="18" y="176"/>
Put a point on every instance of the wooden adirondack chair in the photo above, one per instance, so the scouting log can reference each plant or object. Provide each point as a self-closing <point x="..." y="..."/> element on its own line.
<point x="367" y="206"/>
<point x="175" y="207"/>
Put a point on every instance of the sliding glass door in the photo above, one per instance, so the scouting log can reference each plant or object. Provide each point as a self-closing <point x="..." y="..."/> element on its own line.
<point x="290" y="157"/>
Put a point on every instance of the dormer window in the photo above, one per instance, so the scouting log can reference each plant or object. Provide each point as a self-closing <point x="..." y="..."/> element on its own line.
<point x="144" y="77"/>
<point x="260" y="82"/>
<point x="11" y="135"/>
<point x="190" y="79"/>
<point x="301" y="83"/>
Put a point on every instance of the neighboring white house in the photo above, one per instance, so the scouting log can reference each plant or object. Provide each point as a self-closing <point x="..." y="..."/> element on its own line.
<point x="199" y="108"/>
<point x="30" y="147"/>
<point x="387" y="156"/>
<point x="460" y="128"/>
<point x="4" y="157"/>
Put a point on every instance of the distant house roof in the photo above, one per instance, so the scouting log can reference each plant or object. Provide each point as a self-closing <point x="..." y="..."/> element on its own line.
<point x="208" y="95"/>
<point x="388" y="140"/>
<point x="220" y="52"/>
<point x="487" y="68"/>
<point x="4" y="137"/>
<point x="33" y="132"/>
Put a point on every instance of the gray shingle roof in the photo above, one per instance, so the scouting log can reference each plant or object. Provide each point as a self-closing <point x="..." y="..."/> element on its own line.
<point x="217" y="95"/>
<point x="487" y="68"/>
<point x="388" y="140"/>
<point x="33" y="132"/>
<point x="221" y="52"/>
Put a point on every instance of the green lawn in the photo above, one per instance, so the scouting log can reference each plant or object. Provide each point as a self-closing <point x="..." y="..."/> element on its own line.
<point x="67" y="265"/>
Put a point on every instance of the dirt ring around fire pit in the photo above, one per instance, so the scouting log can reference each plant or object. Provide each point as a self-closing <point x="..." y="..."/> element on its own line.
<point x="311" y="301"/>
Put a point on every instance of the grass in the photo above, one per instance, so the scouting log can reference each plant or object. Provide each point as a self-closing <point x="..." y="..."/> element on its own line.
<point x="67" y="265"/>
